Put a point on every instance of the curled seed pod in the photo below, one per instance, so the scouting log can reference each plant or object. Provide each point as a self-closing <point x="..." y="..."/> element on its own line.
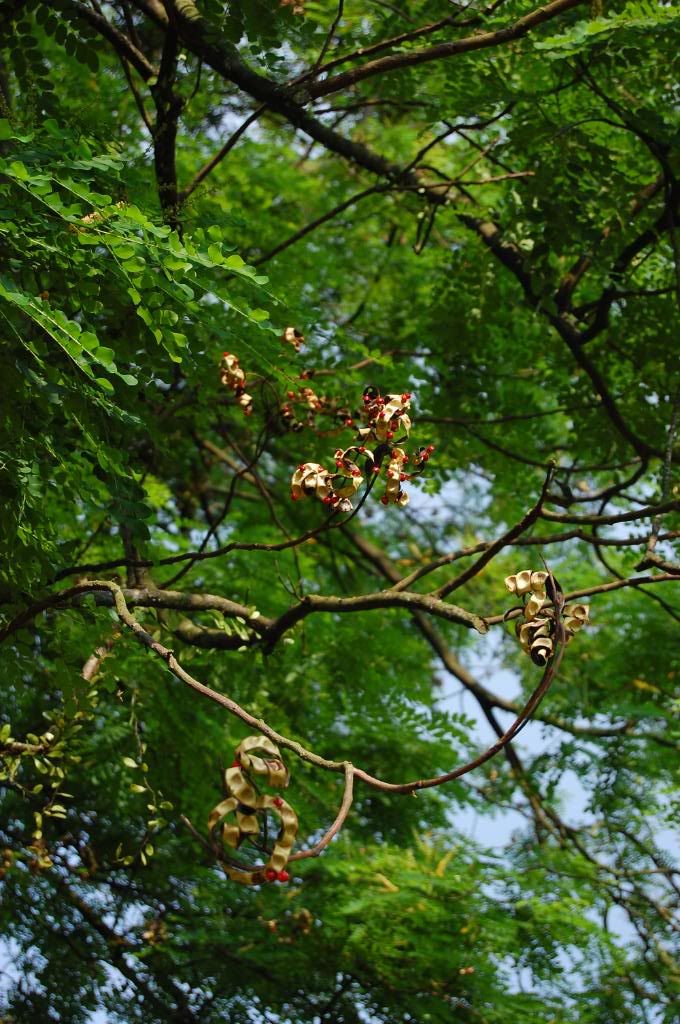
<point x="536" y="629"/>
<point x="233" y="376"/>
<point x="256" y="755"/>
<point x="385" y="416"/>
<point x="310" y="479"/>
<point x="291" y="336"/>
<point x="394" y="494"/>
<point x="575" y="617"/>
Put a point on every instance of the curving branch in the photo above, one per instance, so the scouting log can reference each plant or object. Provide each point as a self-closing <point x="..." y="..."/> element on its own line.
<point x="347" y="797"/>
<point x="168" y="656"/>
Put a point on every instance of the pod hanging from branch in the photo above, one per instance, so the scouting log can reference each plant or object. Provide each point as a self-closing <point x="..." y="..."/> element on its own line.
<point x="536" y="628"/>
<point x="243" y="815"/>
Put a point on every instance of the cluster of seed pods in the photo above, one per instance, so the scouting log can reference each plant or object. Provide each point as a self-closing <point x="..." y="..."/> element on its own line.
<point x="387" y="426"/>
<point x="536" y="629"/>
<point x="233" y="376"/>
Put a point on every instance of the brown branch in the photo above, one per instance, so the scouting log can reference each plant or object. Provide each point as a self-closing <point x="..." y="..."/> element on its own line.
<point x="571" y="279"/>
<point x="329" y="38"/>
<point x="307" y="755"/>
<point x="540" y="541"/>
<point x="514" y="259"/>
<point x="515" y="531"/>
<point x="400" y="181"/>
<point x="136" y="95"/>
<point x="345" y="806"/>
<point x="404" y="37"/>
<point x="142" y="598"/>
<point x="673" y="505"/>
<point x="93" y="663"/>
<point x="169" y="104"/>
<point x="441" y="51"/>
<point x="313" y="603"/>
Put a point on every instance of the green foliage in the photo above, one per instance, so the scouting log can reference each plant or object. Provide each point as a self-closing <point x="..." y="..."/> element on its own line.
<point x="122" y="457"/>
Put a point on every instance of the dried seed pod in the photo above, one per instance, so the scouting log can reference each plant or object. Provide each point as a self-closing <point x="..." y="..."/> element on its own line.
<point x="233" y="376"/>
<point x="311" y="399"/>
<point x="347" y="481"/>
<point x="575" y="617"/>
<point x="394" y="495"/>
<point x="385" y="416"/>
<point x="291" y="336"/>
<point x="256" y="755"/>
<point x="536" y="629"/>
<point x="231" y="373"/>
<point x="310" y="479"/>
<point x="245" y="401"/>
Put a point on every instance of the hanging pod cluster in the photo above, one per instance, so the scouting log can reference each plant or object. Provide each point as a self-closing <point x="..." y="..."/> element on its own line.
<point x="245" y="812"/>
<point x="387" y="426"/>
<point x="233" y="376"/>
<point x="536" y="628"/>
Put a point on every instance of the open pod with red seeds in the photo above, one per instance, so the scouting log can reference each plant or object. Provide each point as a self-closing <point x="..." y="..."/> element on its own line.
<point x="245" y="814"/>
<point x="387" y="426"/>
<point x="536" y="628"/>
<point x="394" y="493"/>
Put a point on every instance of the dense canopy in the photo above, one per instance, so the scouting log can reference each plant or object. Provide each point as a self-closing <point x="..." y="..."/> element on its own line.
<point x="242" y="247"/>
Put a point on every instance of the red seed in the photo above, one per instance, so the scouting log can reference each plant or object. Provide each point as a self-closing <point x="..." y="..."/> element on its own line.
<point x="430" y="447"/>
<point x="385" y="500"/>
<point x="376" y="469"/>
<point x="362" y="449"/>
<point x="284" y="876"/>
<point x="278" y="802"/>
<point x="236" y="763"/>
<point x="403" y="476"/>
<point x="270" y="875"/>
<point x="389" y="435"/>
<point x="425" y="457"/>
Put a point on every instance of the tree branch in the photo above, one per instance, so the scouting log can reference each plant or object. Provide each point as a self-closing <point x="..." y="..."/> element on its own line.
<point x="478" y="41"/>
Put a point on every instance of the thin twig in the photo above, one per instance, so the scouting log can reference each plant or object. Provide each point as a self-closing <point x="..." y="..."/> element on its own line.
<point x="345" y="806"/>
<point x="515" y="531"/>
<point x="221" y="153"/>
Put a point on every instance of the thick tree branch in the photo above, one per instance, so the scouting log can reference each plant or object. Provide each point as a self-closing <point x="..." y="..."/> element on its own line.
<point x="168" y="109"/>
